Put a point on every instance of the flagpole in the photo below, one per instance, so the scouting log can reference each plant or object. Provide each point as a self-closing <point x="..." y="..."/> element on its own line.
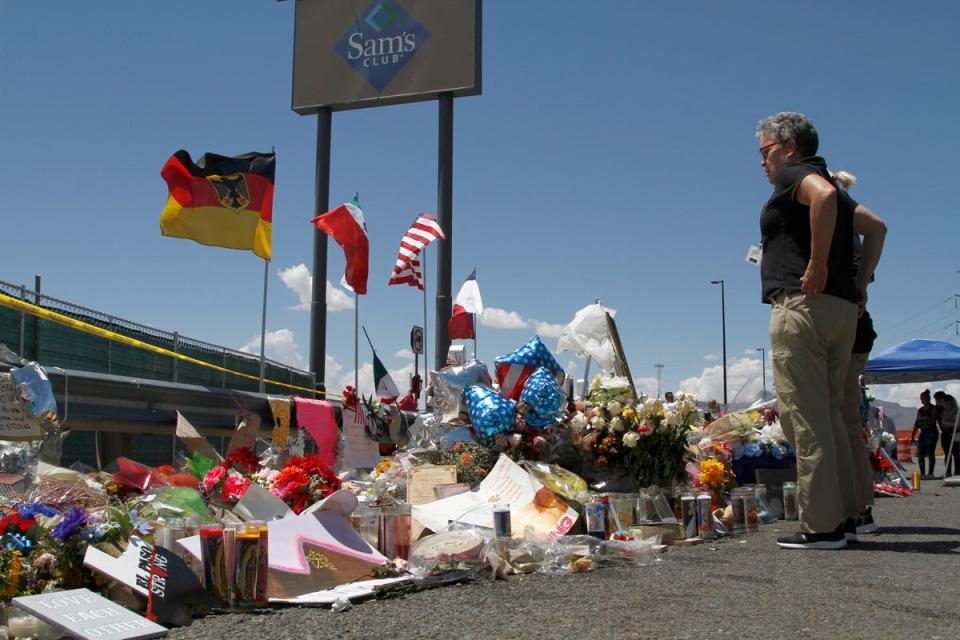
<point x="263" y="325"/>
<point x="356" y="346"/>
<point x="426" y="359"/>
<point x="473" y="318"/>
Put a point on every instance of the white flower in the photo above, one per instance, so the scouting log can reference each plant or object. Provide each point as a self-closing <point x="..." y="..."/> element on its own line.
<point x="616" y="424"/>
<point x="652" y="408"/>
<point x="630" y="439"/>
<point x="673" y="418"/>
<point x="614" y="408"/>
<point x="598" y="422"/>
<point x="578" y="422"/>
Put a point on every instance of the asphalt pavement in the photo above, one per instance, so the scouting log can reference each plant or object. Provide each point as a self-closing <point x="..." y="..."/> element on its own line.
<point x="899" y="583"/>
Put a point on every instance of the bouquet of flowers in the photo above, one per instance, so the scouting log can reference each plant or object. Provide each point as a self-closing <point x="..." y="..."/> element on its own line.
<point x="473" y="461"/>
<point x="228" y="481"/>
<point x="764" y="438"/>
<point x="302" y="481"/>
<point x="648" y="439"/>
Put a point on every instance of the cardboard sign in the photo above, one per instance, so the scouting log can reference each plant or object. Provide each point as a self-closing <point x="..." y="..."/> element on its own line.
<point x="81" y="613"/>
<point x="16" y="421"/>
<point x="420" y="485"/>
<point x="359" y="451"/>
<point x="195" y="442"/>
<point x="158" y="574"/>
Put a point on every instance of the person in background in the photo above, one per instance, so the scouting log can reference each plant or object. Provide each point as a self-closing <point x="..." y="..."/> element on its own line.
<point x="807" y="276"/>
<point x="886" y="425"/>
<point x="946" y="419"/>
<point x="926" y="424"/>
<point x="858" y="505"/>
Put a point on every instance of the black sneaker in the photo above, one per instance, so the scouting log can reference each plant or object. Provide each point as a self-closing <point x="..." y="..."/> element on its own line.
<point x="866" y="524"/>
<point x="801" y="540"/>
<point x="850" y="530"/>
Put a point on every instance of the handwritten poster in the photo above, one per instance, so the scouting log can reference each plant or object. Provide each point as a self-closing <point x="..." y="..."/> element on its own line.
<point x="359" y="451"/>
<point x="16" y="421"/>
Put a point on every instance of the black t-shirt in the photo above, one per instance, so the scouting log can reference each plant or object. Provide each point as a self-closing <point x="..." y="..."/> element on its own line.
<point x="785" y="232"/>
<point x="863" y="343"/>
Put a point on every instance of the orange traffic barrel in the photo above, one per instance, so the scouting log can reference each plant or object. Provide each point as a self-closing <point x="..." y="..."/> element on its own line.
<point x="903" y="450"/>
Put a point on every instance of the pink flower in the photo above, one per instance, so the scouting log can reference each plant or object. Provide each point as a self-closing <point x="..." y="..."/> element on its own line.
<point x="515" y="439"/>
<point x="539" y="442"/>
<point x="213" y="477"/>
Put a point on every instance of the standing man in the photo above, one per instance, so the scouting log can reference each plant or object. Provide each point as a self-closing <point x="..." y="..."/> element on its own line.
<point x="807" y="277"/>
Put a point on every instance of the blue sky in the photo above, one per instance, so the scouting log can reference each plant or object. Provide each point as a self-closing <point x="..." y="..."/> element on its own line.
<point x="610" y="156"/>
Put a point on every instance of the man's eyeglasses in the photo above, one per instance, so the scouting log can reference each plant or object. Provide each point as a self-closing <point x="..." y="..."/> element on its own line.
<point x="765" y="149"/>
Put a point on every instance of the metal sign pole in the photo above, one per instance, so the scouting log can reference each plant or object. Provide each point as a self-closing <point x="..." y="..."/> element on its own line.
<point x="321" y="202"/>
<point x="445" y="220"/>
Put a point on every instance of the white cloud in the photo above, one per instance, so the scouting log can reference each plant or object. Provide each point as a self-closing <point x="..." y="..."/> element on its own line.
<point x="908" y="395"/>
<point x="751" y="352"/>
<point x="502" y="319"/>
<point x="744" y="383"/>
<point x="299" y="280"/>
<point x="338" y="378"/>
<point x="647" y="386"/>
<point x="280" y="346"/>
<point x="711" y="357"/>
<point x="547" y="329"/>
<point x="404" y="353"/>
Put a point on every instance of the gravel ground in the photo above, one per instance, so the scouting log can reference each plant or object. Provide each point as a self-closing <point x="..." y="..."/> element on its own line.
<point x="899" y="583"/>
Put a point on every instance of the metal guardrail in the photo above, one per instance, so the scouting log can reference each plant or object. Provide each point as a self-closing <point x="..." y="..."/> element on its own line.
<point x="172" y="339"/>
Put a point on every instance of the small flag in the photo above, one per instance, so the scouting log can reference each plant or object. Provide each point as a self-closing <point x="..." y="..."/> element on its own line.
<point x="360" y="415"/>
<point x="387" y="389"/>
<point x="407" y="268"/>
<point x="346" y="225"/>
<point x="468" y="302"/>
<point x="220" y="201"/>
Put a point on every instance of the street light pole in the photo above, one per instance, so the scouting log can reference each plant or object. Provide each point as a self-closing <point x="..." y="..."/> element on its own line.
<point x="763" y="357"/>
<point x="723" y="325"/>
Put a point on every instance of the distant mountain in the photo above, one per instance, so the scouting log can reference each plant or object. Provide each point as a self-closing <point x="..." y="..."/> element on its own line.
<point x="902" y="417"/>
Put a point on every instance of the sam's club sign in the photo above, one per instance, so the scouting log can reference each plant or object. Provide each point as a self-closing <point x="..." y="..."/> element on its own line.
<point x="350" y="54"/>
<point x="381" y="43"/>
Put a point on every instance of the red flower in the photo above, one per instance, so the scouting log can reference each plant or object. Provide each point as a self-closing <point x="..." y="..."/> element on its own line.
<point x="289" y="481"/>
<point x="13" y="523"/>
<point x="242" y="459"/>
<point x="165" y="469"/>
<point x="213" y="478"/>
<point x="234" y="488"/>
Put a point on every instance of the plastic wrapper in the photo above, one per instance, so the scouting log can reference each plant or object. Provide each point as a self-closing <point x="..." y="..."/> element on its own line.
<point x="631" y="552"/>
<point x="489" y="412"/>
<point x="570" y="554"/>
<point x="514" y="368"/>
<point x="19" y="458"/>
<point x="456" y="548"/>
<point x="562" y="482"/>
<point x="137" y="476"/>
<point x="544" y="398"/>
<point x="34" y="387"/>
<point x="177" y="502"/>
<point x="448" y="384"/>
<point x="507" y="556"/>
<point x="588" y="335"/>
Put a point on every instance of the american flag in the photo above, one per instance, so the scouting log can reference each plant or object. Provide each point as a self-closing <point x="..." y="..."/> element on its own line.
<point x="407" y="268"/>
<point x="360" y="415"/>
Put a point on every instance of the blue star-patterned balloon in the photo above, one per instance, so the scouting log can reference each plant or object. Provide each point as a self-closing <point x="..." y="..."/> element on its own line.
<point x="489" y="412"/>
<point x="513" y="369"/>
<point x="544" y="397"/>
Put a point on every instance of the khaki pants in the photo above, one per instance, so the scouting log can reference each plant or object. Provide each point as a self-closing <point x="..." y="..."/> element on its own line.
<point x="860" y="456"/>
<point x="810" y="340"/>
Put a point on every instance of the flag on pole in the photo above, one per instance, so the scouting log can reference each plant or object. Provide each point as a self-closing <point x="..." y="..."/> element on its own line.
<point x="411" y="274"/>
<point x="220" y="201"/>
<point x="406" y="270"/>
<point x="346" y="225"/>
<point x="387" y="389"/>
<point x="467" y="304"/>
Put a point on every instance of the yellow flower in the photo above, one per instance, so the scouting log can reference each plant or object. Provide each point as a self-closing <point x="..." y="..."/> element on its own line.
<point x="713" y="473"/>
<point x="13" y="576"/>
<point x="629" y="413"/>
<point x="382" y="467"/>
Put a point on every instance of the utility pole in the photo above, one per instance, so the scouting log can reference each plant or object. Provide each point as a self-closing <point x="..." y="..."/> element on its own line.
<point x="659" y="367"/>
<point x="956" y="326"/>
<point x="956" y="298"/>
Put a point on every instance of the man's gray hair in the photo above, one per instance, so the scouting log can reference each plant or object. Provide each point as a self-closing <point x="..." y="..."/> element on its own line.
<point x="788" y="125"/>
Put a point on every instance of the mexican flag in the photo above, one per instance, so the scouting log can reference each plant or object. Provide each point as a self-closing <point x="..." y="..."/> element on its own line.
<point x="387" y="389"/>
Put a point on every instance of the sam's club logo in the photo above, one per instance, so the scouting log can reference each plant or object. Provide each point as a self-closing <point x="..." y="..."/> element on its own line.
<point x="381" y="42"/>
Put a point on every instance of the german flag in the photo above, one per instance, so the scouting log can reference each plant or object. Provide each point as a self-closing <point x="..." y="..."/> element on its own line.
<point x="220" y="201"/>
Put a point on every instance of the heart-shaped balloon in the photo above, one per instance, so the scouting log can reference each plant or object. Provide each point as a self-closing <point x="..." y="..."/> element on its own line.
<point x="489" y="412"/>
<point x="544" y="397"/>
